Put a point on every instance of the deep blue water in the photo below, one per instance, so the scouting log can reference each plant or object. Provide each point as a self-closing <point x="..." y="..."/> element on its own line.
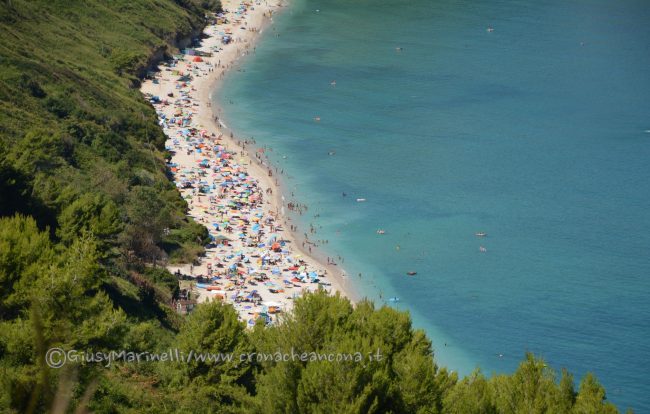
<point x="535" y="133"/>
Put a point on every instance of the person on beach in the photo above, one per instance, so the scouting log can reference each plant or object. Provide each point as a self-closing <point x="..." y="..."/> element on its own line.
<point x="244" y="193"/>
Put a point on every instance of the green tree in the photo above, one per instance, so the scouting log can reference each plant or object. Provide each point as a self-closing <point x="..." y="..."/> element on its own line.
<point x="213" y="331"/>
<point x="91" y="213"/>
<point x="23" y="249"/>
<point x="591" y="398"/>
<point x="471" y="395"/>
<point x="148" y="216"/>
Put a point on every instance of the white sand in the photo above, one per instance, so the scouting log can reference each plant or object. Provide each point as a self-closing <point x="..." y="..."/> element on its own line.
<point x="263" y="204"/>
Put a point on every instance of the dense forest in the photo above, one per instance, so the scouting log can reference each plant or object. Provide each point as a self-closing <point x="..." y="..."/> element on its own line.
<point x="88" y="214"/>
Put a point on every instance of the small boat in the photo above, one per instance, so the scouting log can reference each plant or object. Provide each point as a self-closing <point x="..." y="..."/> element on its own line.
<point x="380" y="231"/>
<point x="411" y="273"/>
<point x="482" y="249"/>
<point x="480" y="234"/>
<point x="360" y="200"/>
<point x="393" y="299"/>
<point x="490" y="29"/>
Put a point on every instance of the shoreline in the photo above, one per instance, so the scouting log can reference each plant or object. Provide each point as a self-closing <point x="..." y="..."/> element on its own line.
<point x="196" y="101"/>
<point x="214" y="83"/>
<point x="259" y="168"/>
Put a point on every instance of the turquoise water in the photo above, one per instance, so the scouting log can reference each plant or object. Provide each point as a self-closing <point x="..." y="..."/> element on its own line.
<point x="534" y="133"/>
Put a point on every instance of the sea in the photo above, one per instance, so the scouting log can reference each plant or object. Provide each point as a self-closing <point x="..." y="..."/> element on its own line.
<point x="528" y="121"/>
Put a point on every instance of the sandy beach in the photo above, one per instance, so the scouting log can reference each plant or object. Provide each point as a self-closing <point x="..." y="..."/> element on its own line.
<point x="255" y="261"/>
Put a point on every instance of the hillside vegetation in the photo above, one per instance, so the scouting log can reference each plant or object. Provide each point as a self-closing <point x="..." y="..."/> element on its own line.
<point x="87" y="214"/>
<point x="81" y="149"/>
